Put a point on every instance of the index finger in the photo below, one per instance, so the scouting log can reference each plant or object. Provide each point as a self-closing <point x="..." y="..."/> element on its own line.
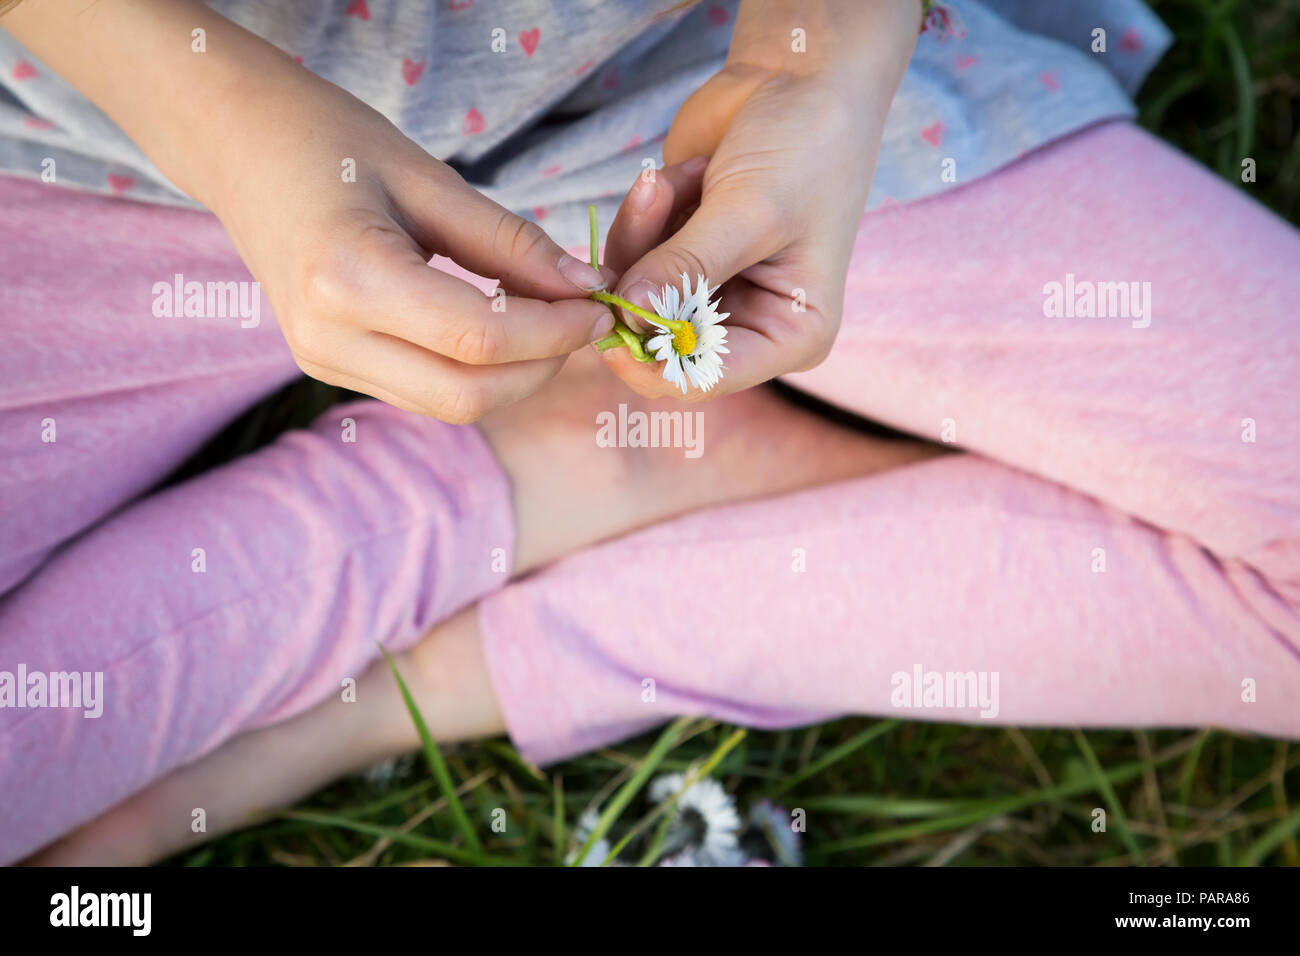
<point x="404" y="297"/>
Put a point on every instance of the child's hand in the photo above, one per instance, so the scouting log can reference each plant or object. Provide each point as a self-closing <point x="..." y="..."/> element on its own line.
<point x="793" y="145"/>
<point x="267" y="145"/>
<point x="344" y="265"/>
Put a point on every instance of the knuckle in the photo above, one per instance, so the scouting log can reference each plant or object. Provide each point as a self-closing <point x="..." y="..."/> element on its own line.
<point x="765" y="215"/>
<point x="815" y="357"/>
<point x="464" y="406"/>
<point x="325" y="286"/>
<point x="817" y="348"/>
<point x="514" y="239"/>
<point x="311" y="368"/>
<point x="679" y="259"/>
<point x="304" y="343"/>
<point x="480" y="343"/>
<point x="439" y="175"/>
<point x="525" y="236"/>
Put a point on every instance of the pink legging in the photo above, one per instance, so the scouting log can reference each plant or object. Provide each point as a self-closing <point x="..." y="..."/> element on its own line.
<point x="1121" y="548"/>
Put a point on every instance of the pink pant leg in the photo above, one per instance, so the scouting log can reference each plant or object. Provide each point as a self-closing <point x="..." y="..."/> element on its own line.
<point x="125" y="395"/>
<point x="945" y="320"/>
<point x="967" y="564"/>
<point x="240" y="598"/>
<point x="236" y="599"/>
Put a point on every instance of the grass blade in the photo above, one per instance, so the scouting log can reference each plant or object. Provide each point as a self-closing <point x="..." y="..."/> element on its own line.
<point x="982" y="810"/>
<point x="836" y="754"/>
<point x="1270" y="840"/>
<point x="666" y="742"/>
<point x="1108" y="794"/>
<point x="436" y="764"/>
<point x="456" y="853"/>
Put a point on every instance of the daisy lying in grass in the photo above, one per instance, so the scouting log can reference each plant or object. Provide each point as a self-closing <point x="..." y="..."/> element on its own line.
<point x="688" y="336"/>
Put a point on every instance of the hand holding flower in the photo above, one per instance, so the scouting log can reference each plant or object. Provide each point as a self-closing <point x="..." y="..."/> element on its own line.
<point x="791" y="139"/>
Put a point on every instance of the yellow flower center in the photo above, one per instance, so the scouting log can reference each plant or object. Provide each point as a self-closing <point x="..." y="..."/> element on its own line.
<point x="684" y="338"/>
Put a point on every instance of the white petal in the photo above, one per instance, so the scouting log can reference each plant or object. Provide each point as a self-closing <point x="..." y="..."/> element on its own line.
<point x="657" y="304"/>
<point x="673" y="372"/>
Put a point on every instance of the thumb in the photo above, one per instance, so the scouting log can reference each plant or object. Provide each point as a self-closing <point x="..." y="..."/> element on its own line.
<point x="722" y="238"/>
<point x="703" y="119"/>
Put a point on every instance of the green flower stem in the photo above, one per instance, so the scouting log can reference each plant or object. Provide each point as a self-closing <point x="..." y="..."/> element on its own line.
<point x="622" y="336"/>
<point x="612" y="300"/>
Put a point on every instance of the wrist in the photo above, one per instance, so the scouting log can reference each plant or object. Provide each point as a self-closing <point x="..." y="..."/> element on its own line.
<point x="864" y="41"/>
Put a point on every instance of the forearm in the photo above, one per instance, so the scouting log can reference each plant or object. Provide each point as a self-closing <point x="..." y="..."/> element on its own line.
<point x="854" y="51"/>
<point x="136" y="60"/>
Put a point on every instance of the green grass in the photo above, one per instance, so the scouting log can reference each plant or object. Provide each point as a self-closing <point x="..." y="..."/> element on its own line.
<point x="1230" y="89"/>
<point x="879" y="792"/>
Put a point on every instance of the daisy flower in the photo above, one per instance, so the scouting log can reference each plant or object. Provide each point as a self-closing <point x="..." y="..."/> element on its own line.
<point x="691" y="335"/>
<point x="706" y="821"/>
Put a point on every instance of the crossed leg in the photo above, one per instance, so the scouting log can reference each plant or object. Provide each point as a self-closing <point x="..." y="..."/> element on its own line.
<point x="1120" y="552"/>
<point x="247" y="595"/>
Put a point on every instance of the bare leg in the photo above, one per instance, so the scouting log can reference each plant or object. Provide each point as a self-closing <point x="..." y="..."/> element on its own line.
<point x="569" y="493"/>
<point x="274" y="766"/>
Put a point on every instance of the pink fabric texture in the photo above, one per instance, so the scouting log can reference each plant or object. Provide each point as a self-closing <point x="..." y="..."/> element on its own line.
<point x="1091" y="433"/>
<point x="370" y="527"/>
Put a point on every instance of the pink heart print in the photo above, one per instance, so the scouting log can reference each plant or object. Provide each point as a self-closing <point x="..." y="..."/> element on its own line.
<point x="119" y="184"/>
<point x="529" y="39"/>
<point x="412" y="70"/>
<point x="460" y="4"/>
<point x="23" y="70"/>
<point x="1051" y="80"/>
<point x="474" y="123"/>
<point x="933" y="134"/>
<point x="718" y="16"/>
<point x="965" y="62"/>
<point x="1130" y="41"/>
<point x="359" y="9"/>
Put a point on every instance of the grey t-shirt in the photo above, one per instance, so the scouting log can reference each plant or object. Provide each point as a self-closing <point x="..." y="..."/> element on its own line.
<point x="549" y="106"/>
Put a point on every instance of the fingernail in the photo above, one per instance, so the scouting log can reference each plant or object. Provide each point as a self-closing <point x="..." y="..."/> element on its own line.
<point x="580" y="274"/>
<point x="604" y="325"/>
<point x="642" y="195"/>
<point x="696" y="165"/>
<point x="638" y="293"/>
